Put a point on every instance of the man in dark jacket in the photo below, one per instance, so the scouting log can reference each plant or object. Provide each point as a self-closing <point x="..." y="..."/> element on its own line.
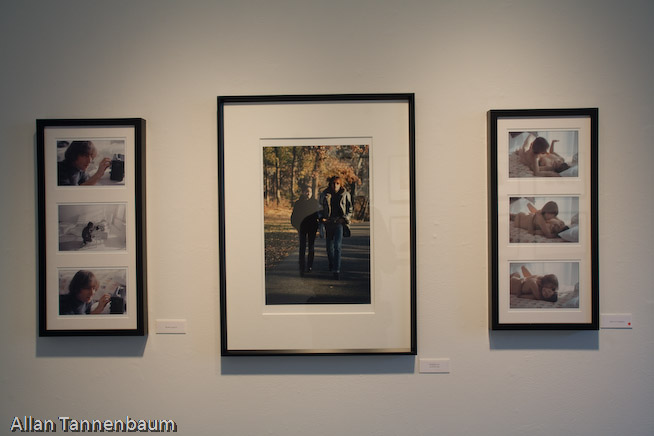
<point x="336" y="212"/>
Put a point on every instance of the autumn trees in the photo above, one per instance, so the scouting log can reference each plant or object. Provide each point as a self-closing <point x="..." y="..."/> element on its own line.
<point x="287" y="169"/>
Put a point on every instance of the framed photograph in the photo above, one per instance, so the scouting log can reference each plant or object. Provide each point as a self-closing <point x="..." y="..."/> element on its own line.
<point x="317" y="224"/>
<point x="543" y="219"/>
<point x="91" y="194"/>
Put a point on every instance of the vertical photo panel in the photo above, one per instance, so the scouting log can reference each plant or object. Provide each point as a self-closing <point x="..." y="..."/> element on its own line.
<point x="91" y="227"/>
<point x="317" y="224"/>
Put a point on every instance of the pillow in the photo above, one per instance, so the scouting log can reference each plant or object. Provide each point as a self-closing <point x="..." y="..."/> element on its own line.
<point x="571" y="234"/>
<point x="519" y="205"/>
<point x="570" y="172"/>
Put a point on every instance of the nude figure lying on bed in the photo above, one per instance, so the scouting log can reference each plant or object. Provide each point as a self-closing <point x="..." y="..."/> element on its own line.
<point x="534" y="287"/>
<point x="540" y="222"/>
<point x="540" y="157"/>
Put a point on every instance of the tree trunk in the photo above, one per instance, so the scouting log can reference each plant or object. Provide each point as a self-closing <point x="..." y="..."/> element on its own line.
<point x="292" y="187"/>
<point x="278" y="192"/>
<point x="266" y="189"/>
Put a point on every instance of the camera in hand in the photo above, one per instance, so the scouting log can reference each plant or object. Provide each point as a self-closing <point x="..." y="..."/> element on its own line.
<point x="118" y="167"/>
<point x="118" y="301"/>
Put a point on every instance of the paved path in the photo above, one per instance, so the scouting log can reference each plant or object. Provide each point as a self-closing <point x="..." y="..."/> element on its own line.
<point x="284" y="285"/>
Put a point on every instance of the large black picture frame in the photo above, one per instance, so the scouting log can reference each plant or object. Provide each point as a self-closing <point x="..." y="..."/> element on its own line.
<point x="384" y="124"/>
<point x="543" y="219"/>
<point x="91" y="227"/>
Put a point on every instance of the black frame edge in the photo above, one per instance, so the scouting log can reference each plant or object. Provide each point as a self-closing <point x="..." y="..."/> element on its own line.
<point x="299" y="98"/>
<point x="593" y="114"/>
<point x="139" y="125"/>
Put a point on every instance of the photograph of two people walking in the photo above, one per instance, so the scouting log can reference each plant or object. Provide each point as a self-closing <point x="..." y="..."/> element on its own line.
<point x="317" y="224"/>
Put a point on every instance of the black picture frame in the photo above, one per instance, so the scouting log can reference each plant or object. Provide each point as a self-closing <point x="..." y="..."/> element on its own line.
<point x="543" y="219"/>
<point x="250" y="326"/>
<point x="92" y="227"/>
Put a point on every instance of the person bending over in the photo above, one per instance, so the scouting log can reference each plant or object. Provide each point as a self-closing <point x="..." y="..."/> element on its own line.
<point x="305" y="219"/>
<point x="534" y="287"/>
<point x="540" y="157"/>
<point x="72" y="170"/>
<point x="79" y="299"/>
<point x="542" y="221"/>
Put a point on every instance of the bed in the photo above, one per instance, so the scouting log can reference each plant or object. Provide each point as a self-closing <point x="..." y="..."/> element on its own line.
<point x="568" y="299"/>
<point x="519" y="169"/>
<point x="519" y="235"/>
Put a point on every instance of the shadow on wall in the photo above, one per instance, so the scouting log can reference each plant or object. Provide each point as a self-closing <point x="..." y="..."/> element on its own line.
<point x="317" y="365"/>
<point x="544" y="340"/>
<point x="91" y="346"/>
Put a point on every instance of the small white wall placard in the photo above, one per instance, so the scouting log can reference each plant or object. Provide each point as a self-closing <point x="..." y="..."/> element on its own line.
<point x="171" y="326"/>
<point x="615" y="321"/>
<point x="435" y="365"/>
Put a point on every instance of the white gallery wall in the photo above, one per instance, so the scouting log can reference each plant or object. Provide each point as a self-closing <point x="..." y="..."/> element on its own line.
<point x="167" y="61"/>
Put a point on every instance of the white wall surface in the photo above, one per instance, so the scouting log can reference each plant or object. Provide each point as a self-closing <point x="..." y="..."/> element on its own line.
<point x="167" y="61"/>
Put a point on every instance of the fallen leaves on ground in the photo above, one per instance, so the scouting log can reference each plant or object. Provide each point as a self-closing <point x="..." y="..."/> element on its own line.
<point x="279" y="235"/>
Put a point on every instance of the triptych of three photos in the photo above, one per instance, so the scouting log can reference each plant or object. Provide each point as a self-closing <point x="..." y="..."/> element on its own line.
<point x="543" y="209"/>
